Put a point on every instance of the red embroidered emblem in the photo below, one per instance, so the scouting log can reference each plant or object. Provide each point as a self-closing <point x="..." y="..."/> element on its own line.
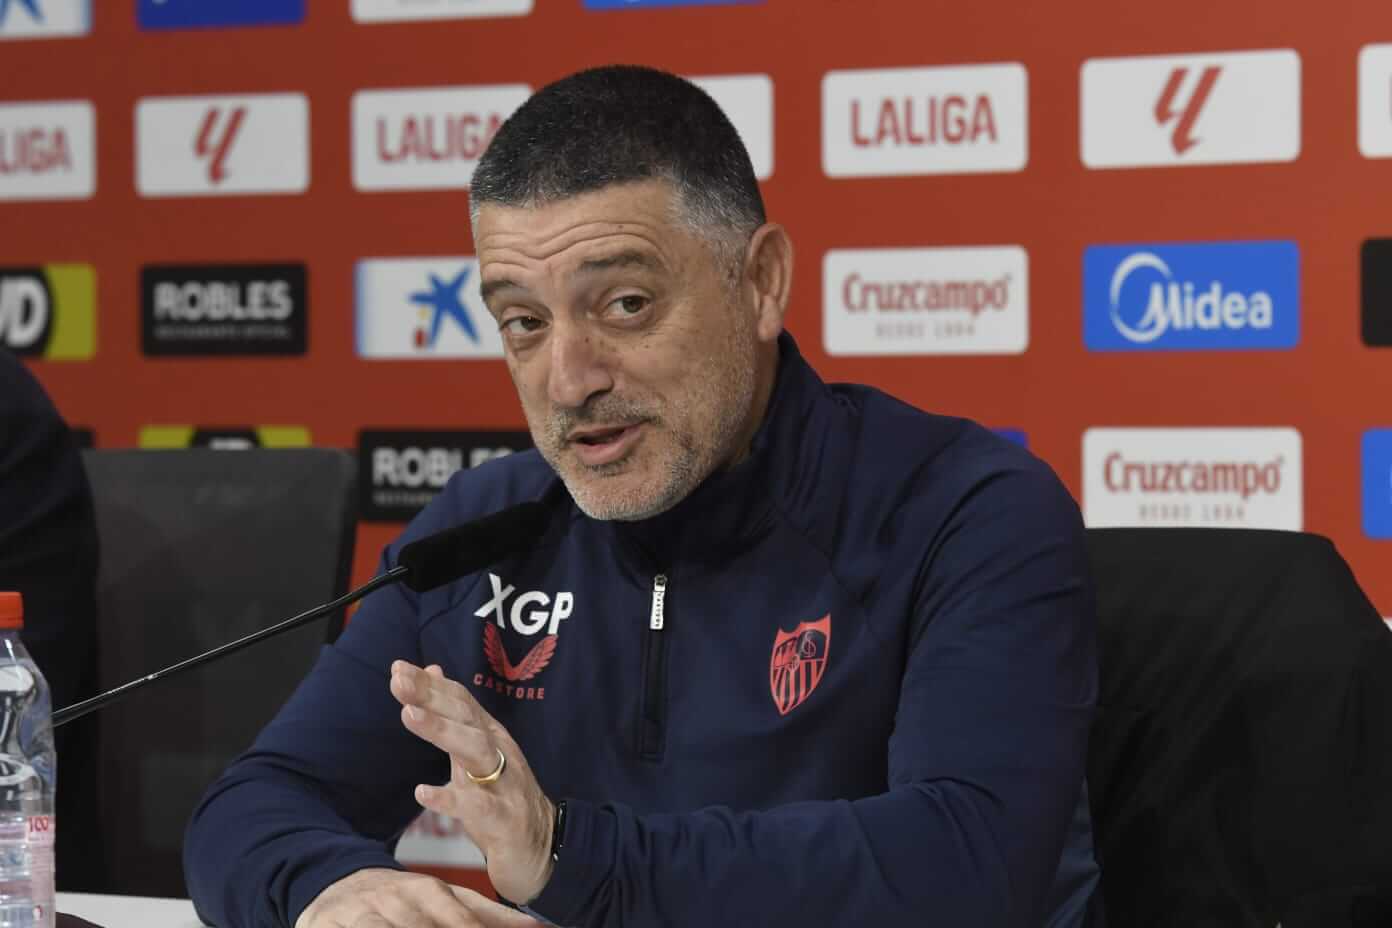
<point x="798" y="662"/>
<point x="531" y="665"/>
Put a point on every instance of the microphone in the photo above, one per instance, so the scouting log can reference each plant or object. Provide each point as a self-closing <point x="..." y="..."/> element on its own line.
<point x="422" y="565"/>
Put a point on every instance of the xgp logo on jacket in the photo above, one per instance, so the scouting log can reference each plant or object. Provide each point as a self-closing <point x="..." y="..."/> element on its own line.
<point x="233" y="438"/>
<point x="49" y="311"/>
<point x="529" y="614"/>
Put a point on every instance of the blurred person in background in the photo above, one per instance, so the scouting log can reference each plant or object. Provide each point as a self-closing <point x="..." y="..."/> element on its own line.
<point x="48" y="554"/>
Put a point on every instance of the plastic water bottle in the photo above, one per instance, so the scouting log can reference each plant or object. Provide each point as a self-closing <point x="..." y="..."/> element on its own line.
<point x="27" y="780"/>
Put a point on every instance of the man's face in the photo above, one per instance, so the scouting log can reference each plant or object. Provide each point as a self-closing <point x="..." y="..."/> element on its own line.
<point x="632" y="356"/>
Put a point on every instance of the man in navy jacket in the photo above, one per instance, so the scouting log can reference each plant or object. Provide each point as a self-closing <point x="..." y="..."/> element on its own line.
<point x="787" y="654"/>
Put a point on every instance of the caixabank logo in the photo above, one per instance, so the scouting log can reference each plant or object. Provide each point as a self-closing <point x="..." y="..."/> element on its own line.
<point x="407" y="469"/>
<point x="1211" y="296"/>
<point x="410" y="308"/>
<point x="210" y="14"/>
<point x="49" y="311"/>
<point x="1194" y="477"/>
<point x="45" y="19"/>
<point x="223" y="309"/>
<point x="224" y="438"/>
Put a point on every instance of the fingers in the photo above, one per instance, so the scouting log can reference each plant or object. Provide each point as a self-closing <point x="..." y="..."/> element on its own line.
<point x="492" y="914"/>
<point x="445" y="714"/>
<point x="431" y="690"/>
<point x="377" y="898"/>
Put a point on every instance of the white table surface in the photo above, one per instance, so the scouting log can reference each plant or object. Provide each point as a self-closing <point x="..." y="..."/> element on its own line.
<point x="129" y="911"/>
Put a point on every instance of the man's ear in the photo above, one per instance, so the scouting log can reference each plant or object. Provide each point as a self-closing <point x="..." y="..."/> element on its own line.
<point x="768" y="278"/>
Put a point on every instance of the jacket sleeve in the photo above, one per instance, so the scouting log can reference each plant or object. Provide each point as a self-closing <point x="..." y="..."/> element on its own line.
<point x="324" y="791"/>
<point x="985" y="763"/>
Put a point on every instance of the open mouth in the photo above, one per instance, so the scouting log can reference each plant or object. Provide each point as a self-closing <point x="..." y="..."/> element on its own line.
<point x="603" y="436"/>
<point x="605" y="446"/>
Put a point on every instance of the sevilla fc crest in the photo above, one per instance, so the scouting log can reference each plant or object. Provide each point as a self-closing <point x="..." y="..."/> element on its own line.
<point x="799" y="660"/>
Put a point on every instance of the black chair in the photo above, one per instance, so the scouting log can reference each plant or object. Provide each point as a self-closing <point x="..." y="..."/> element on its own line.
<point x="199" y="548"/>
<point x="1240" y="770"/>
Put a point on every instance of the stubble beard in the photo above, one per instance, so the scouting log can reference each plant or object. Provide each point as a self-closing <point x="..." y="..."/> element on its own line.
<point x="688" y="451"/>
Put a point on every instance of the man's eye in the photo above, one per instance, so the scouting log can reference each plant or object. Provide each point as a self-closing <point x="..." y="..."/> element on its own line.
<point x="521" y="325"/>
<point x="631" y="305"/>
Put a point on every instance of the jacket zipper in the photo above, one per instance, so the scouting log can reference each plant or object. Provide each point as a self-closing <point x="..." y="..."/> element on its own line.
<point x="652" y="720"/>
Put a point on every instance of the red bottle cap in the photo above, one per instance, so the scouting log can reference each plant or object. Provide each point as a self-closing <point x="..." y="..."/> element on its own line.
<point x="11" y="610"/>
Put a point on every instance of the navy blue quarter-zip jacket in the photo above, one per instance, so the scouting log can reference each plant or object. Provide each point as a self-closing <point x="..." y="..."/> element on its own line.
<point x="848" y="681"/>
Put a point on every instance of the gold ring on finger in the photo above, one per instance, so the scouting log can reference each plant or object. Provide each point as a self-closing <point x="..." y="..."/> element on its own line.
<point x="492" y="777"/>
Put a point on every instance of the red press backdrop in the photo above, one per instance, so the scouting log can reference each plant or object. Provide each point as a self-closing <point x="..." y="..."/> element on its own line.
<point x="870" y="160"/>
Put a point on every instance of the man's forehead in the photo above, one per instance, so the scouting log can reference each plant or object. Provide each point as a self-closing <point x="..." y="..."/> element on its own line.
<point x="649" y="203"/>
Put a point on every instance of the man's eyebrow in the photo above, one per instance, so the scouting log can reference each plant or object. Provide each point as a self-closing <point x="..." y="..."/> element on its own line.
<point x="640" y="259"/>
<point x="633" y="258"/>
<point x="491" y="287"/>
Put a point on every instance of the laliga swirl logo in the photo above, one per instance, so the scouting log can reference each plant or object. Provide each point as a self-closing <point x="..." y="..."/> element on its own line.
<point x="1180" y="306"/>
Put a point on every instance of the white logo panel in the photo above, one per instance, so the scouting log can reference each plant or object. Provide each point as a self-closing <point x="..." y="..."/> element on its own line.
<point x="1196" y="477"/>
<point x="1375" y="101"/>
<point x="48" y="150"/>
<point x="426" y="138"/>
<point x="748" y="100"/>
<point x="954" y="120"/>
<point x="385" y="11"/>
<point x="222" y="145"/>
<point x="435" y="840"/>
<point x="44" y="19"/>
<point x="410" y="308"/>
<point x="1175" y="110"/>
<point x="926" y="301"/>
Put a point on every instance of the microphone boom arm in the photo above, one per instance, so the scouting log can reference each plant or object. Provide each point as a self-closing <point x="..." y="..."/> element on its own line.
<point x="78" y="709"/>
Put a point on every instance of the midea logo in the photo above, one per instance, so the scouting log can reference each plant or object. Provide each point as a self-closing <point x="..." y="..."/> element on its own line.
<point x="1181" y="305"/>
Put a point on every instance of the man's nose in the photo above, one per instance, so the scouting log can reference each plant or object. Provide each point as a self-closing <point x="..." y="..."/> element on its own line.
<point x="580" y="367"/>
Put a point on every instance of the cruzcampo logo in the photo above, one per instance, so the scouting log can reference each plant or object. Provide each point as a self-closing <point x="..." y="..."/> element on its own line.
<point x="49" y="311"/>
<point x="233" y="438"/>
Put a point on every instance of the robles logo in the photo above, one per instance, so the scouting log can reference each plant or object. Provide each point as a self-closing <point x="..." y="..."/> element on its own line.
<point x="1245" y="477"/>
<point x="223" y="309"/>
<point x="1214" y="296"/>
<point x="409" y="469"/>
